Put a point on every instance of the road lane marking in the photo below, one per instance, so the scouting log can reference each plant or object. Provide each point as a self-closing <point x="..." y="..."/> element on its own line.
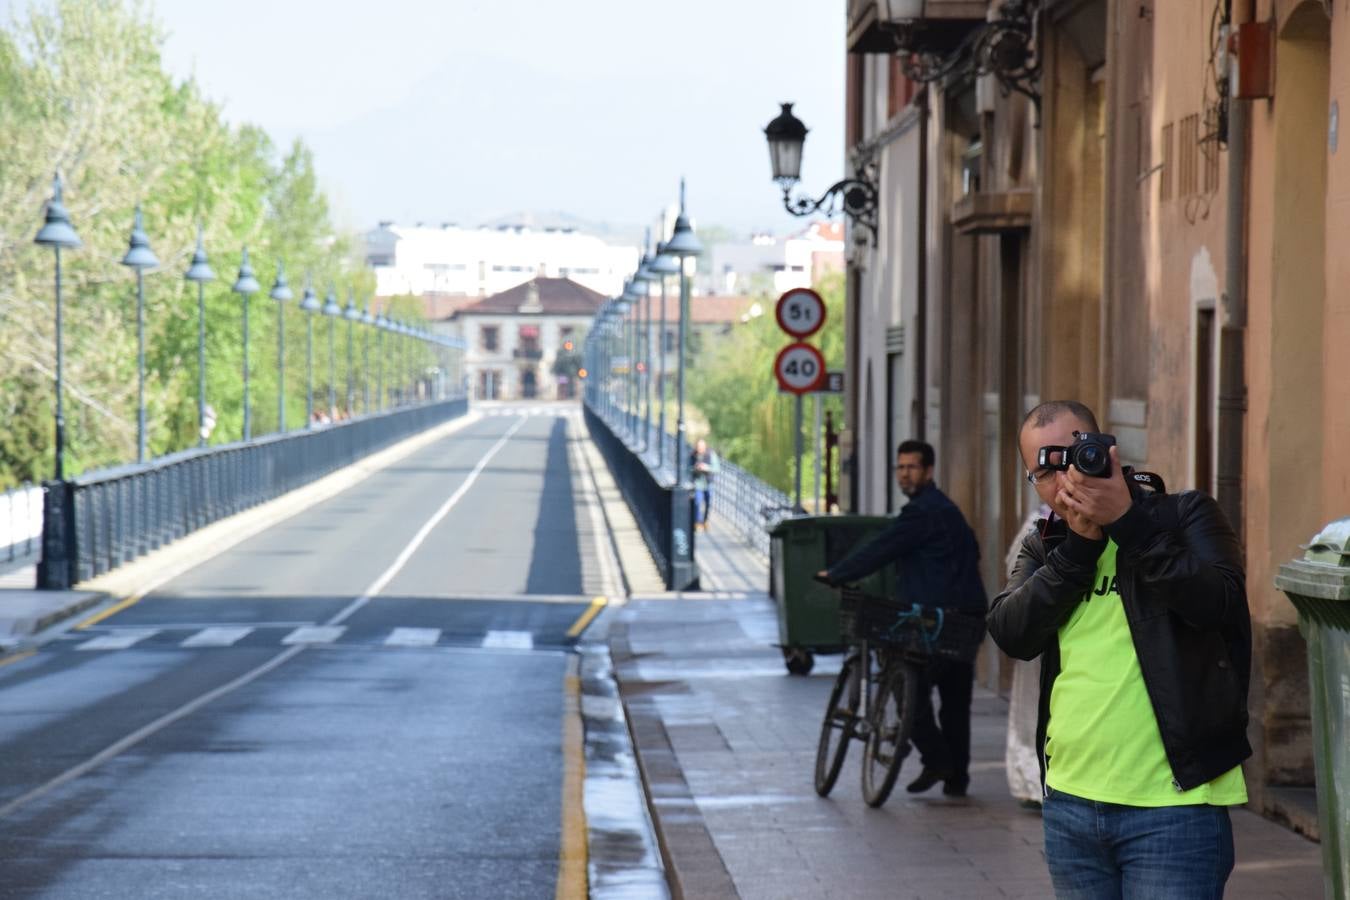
<point x="112" y="610"/>
<point x="16" y="657"/>
<point x="573" y="850"/>
<point x="120" y="640"/>
<point x="585" y="618"/>
<point x="413" y="637"/>
<point x="222" y="636"/>
<point x="315" y="634"/>
<point x="508" y="640"/>
<point x="382" y="582"/>
<point x="140" y="734"/>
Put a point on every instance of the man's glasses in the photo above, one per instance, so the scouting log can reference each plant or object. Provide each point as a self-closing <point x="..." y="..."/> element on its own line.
<point x="1040" y="475"/>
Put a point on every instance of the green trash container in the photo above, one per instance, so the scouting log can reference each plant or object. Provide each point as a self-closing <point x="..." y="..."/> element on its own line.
<point x="808" y="611"/>
<point x="1319" y="586"/>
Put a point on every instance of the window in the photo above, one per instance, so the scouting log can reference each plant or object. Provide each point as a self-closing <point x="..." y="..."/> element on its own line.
<point x="488" y="337"/>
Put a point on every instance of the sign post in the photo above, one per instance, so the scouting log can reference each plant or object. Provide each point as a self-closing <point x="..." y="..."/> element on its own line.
<point x="799" y="368"/>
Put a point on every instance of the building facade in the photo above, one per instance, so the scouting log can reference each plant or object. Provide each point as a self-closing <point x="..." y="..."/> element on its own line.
<point x="452" y="261"/>
<point x="514" y="340"/>
<point x="769" y="265"/>
<point x="1149" y="223"/>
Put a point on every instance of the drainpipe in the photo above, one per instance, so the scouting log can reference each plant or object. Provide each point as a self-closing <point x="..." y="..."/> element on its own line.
<point x="1232" y="335"/>
<point x="920" y="412"/>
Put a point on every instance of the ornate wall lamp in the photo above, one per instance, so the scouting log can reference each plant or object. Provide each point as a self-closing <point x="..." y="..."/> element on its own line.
<point x="856" y="196"/>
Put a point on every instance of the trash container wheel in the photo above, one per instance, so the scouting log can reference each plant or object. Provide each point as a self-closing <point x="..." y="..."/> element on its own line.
<point x="798" y="661"/>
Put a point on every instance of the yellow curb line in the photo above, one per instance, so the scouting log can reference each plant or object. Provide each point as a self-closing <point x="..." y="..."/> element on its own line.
<point x="110" y="611"/>
<point x="16" y="657"/>
<point x="586" y="617"/>
<point x="573" y="855"/>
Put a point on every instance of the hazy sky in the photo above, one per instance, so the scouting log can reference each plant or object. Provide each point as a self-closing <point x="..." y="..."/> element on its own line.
<point x="467" y="110"/>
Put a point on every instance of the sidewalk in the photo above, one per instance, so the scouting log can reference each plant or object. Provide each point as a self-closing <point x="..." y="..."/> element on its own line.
<point x="726" y="743"/>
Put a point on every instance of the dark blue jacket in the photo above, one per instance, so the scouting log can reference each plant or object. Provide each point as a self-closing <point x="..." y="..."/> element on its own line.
<point x="937" y="560"/>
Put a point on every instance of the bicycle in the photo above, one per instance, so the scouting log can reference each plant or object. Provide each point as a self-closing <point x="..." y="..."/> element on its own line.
<point x="892" y="644"/>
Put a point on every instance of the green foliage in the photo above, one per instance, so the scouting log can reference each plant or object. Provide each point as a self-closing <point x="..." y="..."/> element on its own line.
<point x="83" y="91"/>
<point x="736" y="397"/>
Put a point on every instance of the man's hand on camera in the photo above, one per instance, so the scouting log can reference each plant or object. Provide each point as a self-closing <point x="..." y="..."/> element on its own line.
<point x="823" y="576"/>
<point x="1095" y="501"/>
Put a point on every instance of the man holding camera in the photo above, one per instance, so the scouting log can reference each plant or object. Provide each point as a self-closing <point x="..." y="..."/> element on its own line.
<point x="1136" y="603"/>
<point x="937" y="564"/>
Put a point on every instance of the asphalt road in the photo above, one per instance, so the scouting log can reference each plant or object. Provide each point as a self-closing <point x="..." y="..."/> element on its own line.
<point x="363" y="701"/>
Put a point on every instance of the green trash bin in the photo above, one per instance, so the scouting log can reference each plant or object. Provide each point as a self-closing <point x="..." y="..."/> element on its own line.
<point x="1319" y="587"/>
<point x="808" y="611"/>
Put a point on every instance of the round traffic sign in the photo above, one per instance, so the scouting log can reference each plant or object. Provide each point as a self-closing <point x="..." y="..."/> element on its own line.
<point x="800" y="312"/>
<point x="799" y="368"/>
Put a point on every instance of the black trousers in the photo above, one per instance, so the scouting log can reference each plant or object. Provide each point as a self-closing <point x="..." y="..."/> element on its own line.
<point x="944" y="741"/>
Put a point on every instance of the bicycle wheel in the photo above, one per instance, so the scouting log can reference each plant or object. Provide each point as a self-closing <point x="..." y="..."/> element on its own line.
<point x="841" y="716"/>
<point x="891" y="717"/>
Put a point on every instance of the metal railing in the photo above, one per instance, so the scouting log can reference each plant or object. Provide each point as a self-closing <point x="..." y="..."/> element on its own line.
<point x="749" y="505"/>
<point x="20" y="522"/>
<point x="663" y="510"/>
<point x="100" y="520"/>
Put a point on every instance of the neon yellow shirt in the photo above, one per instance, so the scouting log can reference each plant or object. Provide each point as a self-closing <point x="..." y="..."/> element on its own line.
<point x="1102" y="742"/>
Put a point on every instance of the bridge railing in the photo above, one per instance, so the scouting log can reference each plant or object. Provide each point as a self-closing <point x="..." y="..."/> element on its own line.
<point x="100" y="520"/>
<point x="663" y="510"/>
<point x="750" y="506"/>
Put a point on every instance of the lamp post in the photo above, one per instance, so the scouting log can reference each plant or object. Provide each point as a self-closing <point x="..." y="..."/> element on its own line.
<point x="310" y="304"/>
<point x="140" y="257"/>
<point x="281" y="292"/>
<point x="368" y="320"/>
<point x="332" y="311"/>
<point x="200" y="272"/>
<point x="381" y="326"/>
<point x="352" y="315"/>
<point x="57" y="232"/>
<point x="683" y="244"/>
<point x="246" y="285"/>
<point x="664" y="264"/>
<point x="857" y="196"/>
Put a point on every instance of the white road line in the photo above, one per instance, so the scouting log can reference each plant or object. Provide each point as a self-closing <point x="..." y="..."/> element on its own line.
<point x="119" y="641"/>
<point x="218" y="637"/>
<point x="508" y="640"/>
<point x="315" y="634"/>
<point x="380" y="583"/>
<point x="413" y="637"/>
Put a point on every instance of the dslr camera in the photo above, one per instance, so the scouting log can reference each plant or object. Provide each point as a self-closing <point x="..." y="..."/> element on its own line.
<point x="1089" y="453"/>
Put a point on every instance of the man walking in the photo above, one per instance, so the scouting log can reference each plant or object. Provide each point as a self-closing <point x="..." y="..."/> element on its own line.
<point x="1136" y="603"/>
<point x="936" y="560"/>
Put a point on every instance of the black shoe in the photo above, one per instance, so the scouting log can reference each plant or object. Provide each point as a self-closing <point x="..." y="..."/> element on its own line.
<point x="927" y="778"/>
<point x="955" y="788"/>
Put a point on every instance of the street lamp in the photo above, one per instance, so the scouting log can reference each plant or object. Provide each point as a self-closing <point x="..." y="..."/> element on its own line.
<point x="57" y="232"/>
<point x="633" y="294"/>
<point x="664" y="264"/>
<point x="352" y="315"/>
<point x="644" y="278"/>
<point x="368" y="320"/>
<point x="683" y="244"/>
<point x="332" y="311"/>
<point x="281" y="292"/>
<point x="381" y="326"/>
<point x="857" y="196"/>
<point x="140" y="257"/>
<point x="200" y="272"/>
<point x="310" y="304"/>
<point x="245" y="286"/>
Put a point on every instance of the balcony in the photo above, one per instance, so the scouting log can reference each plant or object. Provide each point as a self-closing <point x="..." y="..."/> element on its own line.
<point x="992" y="212"/>
<point x="533" y="354"/>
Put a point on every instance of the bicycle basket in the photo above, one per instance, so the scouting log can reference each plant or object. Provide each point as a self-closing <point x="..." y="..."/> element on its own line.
<point x="922" y="630"/>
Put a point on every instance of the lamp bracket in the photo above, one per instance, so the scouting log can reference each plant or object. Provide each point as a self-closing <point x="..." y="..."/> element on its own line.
<point x="856" y="197"/>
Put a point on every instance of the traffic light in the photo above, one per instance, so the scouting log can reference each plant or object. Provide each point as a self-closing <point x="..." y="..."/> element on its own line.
<point x="567" y="345"/>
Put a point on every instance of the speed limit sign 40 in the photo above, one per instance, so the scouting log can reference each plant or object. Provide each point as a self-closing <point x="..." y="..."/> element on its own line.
<point x="799" y="368"/>
<point x="800" y="312"/>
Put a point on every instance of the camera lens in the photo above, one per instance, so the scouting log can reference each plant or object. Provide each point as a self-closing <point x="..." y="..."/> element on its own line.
<point x="1090" y="459"/>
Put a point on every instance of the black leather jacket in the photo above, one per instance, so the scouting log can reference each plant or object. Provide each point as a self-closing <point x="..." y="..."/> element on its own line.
<point x="1181" y="580"/>
<point x="936" y="557"/>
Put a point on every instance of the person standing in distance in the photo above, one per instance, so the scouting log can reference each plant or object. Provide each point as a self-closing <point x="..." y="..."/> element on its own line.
<point x="1136" y="603"/>
<point x="937" y="563"/>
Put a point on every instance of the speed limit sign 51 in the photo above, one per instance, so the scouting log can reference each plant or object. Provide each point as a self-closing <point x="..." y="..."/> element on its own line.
<point x="799" y="368"/>
<point x="800" y="312"/>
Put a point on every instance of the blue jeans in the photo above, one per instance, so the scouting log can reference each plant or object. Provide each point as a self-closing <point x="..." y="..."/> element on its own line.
<point x="702" y="500"/>
<point x="1104" y="850"/>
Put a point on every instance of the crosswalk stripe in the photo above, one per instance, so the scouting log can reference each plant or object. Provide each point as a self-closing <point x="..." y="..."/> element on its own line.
<point x="217" y="637"/>
<point x="315" y="634"/>
<point x="508" y="640"/>
<point x="120" y="640"/>
<point x="413" y="637"/>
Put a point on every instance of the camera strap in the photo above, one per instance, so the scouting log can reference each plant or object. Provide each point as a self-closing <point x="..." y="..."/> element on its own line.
<point x="1149" y="480"/>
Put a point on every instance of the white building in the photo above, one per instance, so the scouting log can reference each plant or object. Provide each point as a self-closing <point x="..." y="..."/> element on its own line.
<point x="513" y="338"/>
<point x="766" y="264"/>
<point x="478" y="262"/>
